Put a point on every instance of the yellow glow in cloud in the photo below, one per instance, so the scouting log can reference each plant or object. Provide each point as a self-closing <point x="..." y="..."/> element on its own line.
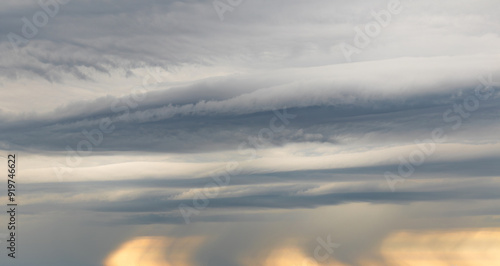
<point x="475" y="248"/>
<point x="288" y="256"/>
<point x="439" y="248"/>
<point x="154" y="251"/>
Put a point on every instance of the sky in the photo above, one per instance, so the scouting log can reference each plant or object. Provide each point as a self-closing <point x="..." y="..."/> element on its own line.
<point x="243" y="133"/>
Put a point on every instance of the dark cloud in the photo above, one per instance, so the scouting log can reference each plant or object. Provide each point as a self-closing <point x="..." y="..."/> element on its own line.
<point x="199" y="119"/>
<point x="217" y="84"/>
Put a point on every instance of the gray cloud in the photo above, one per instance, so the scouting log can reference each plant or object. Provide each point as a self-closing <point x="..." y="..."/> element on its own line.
<point x="216" y="85"/>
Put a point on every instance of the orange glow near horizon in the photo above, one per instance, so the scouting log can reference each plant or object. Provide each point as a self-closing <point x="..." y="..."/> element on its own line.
<point x="154" y="251"/>
<point x="290" y="255"/>
<point x="409" y="248"/>
<point x="475" y="248"/>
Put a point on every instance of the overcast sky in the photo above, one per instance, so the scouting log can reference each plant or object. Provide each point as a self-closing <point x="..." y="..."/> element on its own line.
<point x="242" y="133"/>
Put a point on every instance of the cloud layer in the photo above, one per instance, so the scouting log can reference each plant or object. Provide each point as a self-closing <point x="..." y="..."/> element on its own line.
<point x="242" y="142"/>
